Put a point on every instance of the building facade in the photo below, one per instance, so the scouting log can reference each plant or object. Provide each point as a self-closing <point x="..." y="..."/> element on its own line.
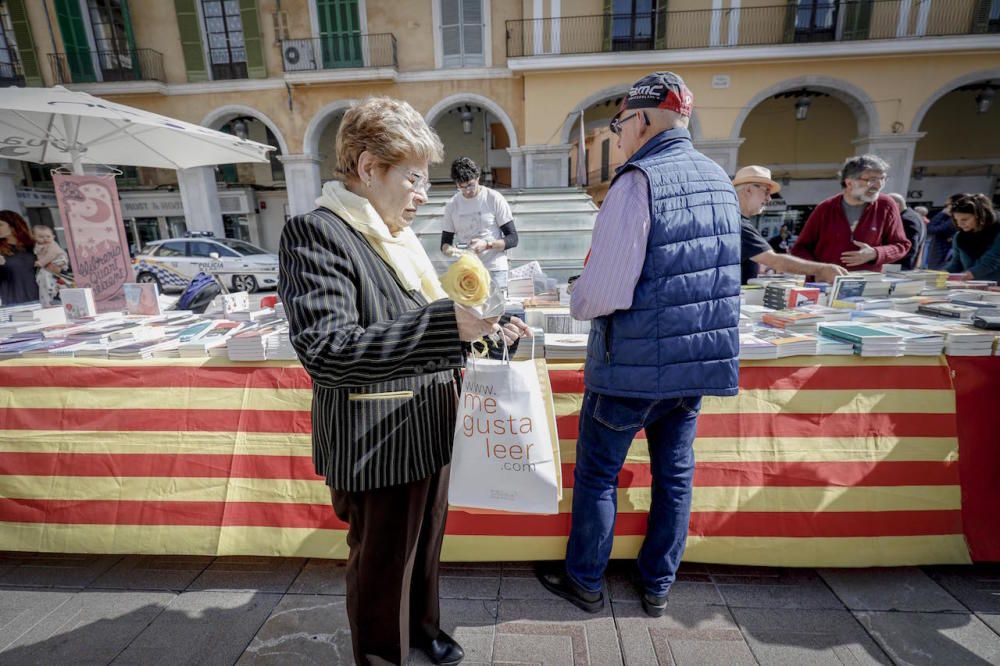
<point x="795" y="85"/>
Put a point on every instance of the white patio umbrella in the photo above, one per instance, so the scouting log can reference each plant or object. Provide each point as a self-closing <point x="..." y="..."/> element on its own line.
<point x="56" y="125"/>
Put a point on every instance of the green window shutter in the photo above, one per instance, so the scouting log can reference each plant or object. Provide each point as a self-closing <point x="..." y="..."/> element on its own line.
<point x="790" y="11"/>
<point x="256" y="67"/>
<point x="130" y="38"/>
<point x="191" y="45"/>
<point x="340" y="33"/>
<point x="75" y="43"/>
<point x="25" y="43"/>
<point x="980" y="17"/>
<point x="608" y="21"/>
<point x="661" y="25"/>
<point x="857" y="20"/>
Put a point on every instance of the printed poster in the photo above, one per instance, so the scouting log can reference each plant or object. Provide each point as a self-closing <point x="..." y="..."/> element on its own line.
<point x="95" y="237"/>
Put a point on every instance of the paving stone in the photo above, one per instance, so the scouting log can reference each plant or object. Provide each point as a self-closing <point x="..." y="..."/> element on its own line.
<point x="991" y="620"/>
<point x="303" y="629"/>
<point x="57" y="570"/>
<point x="153" y="572"/>
<point x="933" y="638"/>
<point x="263" y="574"/>
<point x="321" y="577"/>
<point x="469" y="587"/>
<point x="206" y="627"/>
<point x="899" y="588"/>
<point x="23" y="610"/>
<point x="799" y="637"/>
<point x="623" y="585"/>
<point x="470" y="622"/>
<point x="530" y="631"/>
<point x="977" y="587"/>
<point x="90" y="627"/>
<point x="782" y="588"/>
<point x="683" y="635"/>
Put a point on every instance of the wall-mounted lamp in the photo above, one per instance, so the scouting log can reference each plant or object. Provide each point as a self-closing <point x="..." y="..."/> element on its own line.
<point x="802" y="107"/>
<point x="984" y="100"/>
<point x="466" y="121"/>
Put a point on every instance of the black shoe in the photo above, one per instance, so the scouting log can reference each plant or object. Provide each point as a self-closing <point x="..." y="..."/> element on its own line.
<point x="443" y="650"/>
<point x="653" y="605"/>
<point x="555" y="580"/>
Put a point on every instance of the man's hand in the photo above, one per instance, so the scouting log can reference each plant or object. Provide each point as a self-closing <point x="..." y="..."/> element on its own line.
<point x="863" y="255"/>
<point x="829" y="272"/>
<point x="478" y="245"/>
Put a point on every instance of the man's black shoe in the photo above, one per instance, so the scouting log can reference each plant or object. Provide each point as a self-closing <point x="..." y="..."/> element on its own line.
<point x="653" y="605"/>
<point x="443" y="650"/>
<point x="555" y="580"/>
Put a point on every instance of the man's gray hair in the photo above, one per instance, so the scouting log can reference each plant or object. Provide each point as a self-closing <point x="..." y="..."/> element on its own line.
<point x="899" y="199"/>
<point x="853" y="166"/>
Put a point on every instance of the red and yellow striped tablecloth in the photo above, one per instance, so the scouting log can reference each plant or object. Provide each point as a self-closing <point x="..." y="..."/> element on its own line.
<point x="827" y="461"/>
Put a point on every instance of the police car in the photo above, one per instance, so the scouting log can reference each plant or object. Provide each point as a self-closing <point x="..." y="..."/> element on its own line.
<point x="172" y="262"/>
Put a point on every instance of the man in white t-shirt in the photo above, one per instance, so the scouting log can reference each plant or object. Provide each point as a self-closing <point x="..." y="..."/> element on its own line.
<point x="479" y="219"/>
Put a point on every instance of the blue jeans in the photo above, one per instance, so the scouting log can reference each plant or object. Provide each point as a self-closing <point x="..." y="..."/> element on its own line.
<point x="607" y="426"/>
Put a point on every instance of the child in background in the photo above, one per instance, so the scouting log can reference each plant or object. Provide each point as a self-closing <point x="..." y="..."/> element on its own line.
<point x="51" y="261"/>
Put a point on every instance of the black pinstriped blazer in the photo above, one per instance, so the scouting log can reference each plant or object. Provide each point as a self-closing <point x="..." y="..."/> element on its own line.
<point x="381" y="358"/>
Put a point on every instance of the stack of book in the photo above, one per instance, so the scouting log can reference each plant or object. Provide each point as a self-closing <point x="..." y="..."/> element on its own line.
<point x="562" y="322"/>
<point x="7" y="311"/>
<point x="756" y="348"/>
<point x="565" y="347"/>
<point x="949" y="310"/>
<point x="250" y="345"/>
<point x="520" y="288"/>
<point x="279" y="347"/>
<point x="793" y="321"/>
<point x="917" y="340"/>
<point x="533" y="345"/>
<point x="778" y="295"/>
<point x="788" y="344"/>
<point x="867" y="340"/>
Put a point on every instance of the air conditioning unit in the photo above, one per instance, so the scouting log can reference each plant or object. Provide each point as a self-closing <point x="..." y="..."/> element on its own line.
<point x="297" y="55"/>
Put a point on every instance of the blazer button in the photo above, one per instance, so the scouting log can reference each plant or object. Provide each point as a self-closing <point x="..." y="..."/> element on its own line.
<point x="431" y="366"/>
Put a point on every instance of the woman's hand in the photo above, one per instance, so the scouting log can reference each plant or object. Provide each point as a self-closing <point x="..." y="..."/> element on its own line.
<point x="478" y="245"/>
<point x="471" y="327"/>
<point x="514" y="330"/>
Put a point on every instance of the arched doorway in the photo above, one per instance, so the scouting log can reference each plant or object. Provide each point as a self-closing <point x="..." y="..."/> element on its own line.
<point x="320" y="139"/>
<point x="960" y="149"/>
<point x="802" y="130"/>
<point x="476" y="127"/>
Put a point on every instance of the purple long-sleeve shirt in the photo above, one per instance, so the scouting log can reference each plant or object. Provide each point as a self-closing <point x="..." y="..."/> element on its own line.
<point x="617" y="250"/>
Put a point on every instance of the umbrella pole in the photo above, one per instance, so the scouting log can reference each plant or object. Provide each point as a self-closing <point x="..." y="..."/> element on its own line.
<point x="76" y="157"/>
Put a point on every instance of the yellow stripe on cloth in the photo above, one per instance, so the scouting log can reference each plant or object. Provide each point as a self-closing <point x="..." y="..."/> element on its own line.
<point x="801" y="449"/>
<point x="171" y="443"/>
<point x="630" y="500"/>
<point x="302" y="542"/>
<point x="189" y="398"/>
<point x="802" y="401"/>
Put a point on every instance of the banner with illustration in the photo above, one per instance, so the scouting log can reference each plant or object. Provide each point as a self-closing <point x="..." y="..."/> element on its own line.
<point x="95" y="237"/>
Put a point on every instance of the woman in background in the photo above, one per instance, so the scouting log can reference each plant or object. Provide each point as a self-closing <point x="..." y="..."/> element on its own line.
<point x="976" y="246"/>
<point x="17" y="260"/>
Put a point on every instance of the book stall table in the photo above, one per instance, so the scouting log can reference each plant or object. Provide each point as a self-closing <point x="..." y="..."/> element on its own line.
<point x="820" y="461"/>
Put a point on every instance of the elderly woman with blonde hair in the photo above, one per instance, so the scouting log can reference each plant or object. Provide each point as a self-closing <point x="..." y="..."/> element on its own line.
<point x="382" y="343"/>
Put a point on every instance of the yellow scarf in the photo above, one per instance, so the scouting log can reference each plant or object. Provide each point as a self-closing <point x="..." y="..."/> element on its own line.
<point x="403" y="253"/>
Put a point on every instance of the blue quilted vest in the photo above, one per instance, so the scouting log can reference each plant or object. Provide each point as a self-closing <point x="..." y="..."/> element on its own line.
<point x="680" y="337"/>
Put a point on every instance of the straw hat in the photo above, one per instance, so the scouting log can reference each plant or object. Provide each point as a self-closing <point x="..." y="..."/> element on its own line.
<point x="756" y="174"/>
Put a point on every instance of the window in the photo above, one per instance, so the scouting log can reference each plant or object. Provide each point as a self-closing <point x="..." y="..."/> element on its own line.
<point x="605" y="160"/>
<point x="462" y="33"/>
<point x="113" y="39"/>
<point x="227" y="52"/>
<point x="241" y="248"/>
<point x="340" y="33"/>
<point x="633" y="25"/>
<point x="815" y="20"/>
<point x="202" y="249"/>
<point x="10" y="68"/>
<point x="171" y="249"/>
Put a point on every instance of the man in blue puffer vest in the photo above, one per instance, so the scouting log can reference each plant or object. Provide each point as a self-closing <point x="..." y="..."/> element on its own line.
<point x="662" y="288"/>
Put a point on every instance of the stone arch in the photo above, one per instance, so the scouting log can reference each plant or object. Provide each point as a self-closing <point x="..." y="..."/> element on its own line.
<point x="965" y="79"/>
<point x="220" y="116"/>
<point x="497" y="111"/>
<point x="854" y="97"/>
<point x="617" y="90"/>
<point x="314" y="132"/>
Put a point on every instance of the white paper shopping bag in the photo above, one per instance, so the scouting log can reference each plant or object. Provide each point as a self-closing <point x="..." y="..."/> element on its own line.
<point x="504" y="458"/>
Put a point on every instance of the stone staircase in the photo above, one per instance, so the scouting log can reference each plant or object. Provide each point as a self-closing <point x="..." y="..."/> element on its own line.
<point x="554" y="226"/>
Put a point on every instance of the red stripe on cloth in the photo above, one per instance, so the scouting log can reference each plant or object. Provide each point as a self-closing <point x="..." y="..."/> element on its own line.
<point x="809" y="377"/>
<point x="320" y="516"/>
<point x="180" y="465"/>
<point x="147" y="420"/>
<point x="160" y="376"/>
<point x="804" y="425"/>
<point x="797" y="474"/>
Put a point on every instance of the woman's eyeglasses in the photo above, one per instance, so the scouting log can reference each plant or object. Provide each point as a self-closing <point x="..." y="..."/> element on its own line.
<point x="419" y="181"/>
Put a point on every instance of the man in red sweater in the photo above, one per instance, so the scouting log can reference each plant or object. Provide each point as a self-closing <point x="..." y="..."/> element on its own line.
<point x="859" y="229"/>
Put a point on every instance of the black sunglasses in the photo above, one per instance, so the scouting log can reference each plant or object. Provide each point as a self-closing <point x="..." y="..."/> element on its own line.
<point x="616" y="123"/>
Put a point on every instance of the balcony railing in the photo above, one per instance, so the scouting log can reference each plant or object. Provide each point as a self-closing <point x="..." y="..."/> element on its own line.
<point x="338" y="52"/>
<point x="848" y="20"/>
<point x="107" y="66"/>
<point x="11" y="73"/>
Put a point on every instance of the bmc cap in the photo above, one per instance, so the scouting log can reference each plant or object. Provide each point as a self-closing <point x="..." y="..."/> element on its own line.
<point x="660" y="90"/>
